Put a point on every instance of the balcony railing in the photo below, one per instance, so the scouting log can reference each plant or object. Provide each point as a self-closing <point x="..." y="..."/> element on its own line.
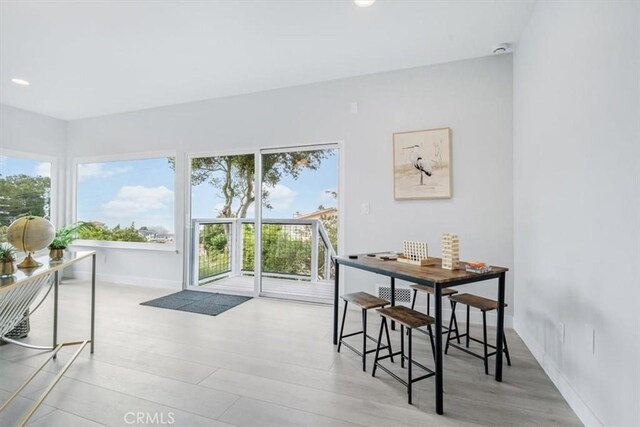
<point x="294" y="249"/>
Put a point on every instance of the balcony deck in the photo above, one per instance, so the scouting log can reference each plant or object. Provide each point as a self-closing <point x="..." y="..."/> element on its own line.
<point x="319" y="292"/>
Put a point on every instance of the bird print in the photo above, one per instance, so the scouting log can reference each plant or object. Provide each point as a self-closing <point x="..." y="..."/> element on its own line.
<point x="415" y="157"/>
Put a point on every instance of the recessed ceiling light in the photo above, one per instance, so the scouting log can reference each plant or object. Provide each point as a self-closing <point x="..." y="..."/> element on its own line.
<point x="20" y="82"/>
<point x="364" y="3"/>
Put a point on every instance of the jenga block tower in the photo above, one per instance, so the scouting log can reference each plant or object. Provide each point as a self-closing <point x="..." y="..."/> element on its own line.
<point x="450" y="251"/>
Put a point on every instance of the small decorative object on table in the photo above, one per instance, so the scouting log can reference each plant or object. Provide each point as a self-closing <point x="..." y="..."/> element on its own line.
<point x="478" y="267"/>
<point x="64" y="236"/>
<point x="30" y="234"/>
<point x="450" y="251"/>
<point x="415" y="253"/>
<point x="7" y="260"/>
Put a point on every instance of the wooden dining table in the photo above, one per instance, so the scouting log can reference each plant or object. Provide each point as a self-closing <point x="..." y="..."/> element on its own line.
<point x="437" y="278"/>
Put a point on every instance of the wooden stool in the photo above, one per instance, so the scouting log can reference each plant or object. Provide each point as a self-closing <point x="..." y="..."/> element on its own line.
<point x="366" y="302"/>
<point x="484" y="305"/>
<point x="410" y="319"/>
<point x="446" y="292"/>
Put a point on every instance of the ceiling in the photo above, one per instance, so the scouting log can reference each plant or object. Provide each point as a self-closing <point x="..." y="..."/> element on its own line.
<point x="87" y="58"/>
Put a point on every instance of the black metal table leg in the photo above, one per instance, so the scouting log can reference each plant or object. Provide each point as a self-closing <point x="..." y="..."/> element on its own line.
<point x="335" y="302"/>
<point x="393" y="300"/>
<point x="56" y="283"/>
<point x="439" y="380"/>
<point x="500" y="326"/>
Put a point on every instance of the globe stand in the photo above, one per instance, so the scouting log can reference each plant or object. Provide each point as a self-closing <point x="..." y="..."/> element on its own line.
<point x="29" y="262"/>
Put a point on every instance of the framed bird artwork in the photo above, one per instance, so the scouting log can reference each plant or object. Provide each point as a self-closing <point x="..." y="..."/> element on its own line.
<point x="422" y="164"/>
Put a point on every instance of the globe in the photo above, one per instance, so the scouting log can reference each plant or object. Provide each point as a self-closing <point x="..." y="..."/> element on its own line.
<point x="30" y="234"/>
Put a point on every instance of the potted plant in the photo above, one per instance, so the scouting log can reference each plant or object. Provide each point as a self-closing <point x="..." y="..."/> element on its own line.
<point x="7" y="260"/>
<point x="64" y="236"/>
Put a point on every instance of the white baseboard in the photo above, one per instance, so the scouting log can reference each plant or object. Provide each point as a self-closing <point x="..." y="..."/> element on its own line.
<point x="125" y="280"/>
<point x="582" y="410"/>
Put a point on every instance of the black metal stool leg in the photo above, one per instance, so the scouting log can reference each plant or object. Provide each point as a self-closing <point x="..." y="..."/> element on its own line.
<point x="375" y="360"/>
<point x="344" y="316"/>
<point x="433" y="347"/>
<point x="484" y="332"/>
<point x="410" y="368"/>
<point x="453" y="313"/>
<point x="428" y="305"/>
<point x="455" y="321"/>
<point x="364" y="340"/>
<point x="388" y="342"/>
<point x="413" y="303"/>
<point x="402" y="346"/>
<point x="468" y="332"/>
<point x="506" y="349"/>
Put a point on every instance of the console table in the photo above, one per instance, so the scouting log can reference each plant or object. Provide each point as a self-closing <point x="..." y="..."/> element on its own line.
<point x="437" y="278"/>
<point x="19" y="292"/>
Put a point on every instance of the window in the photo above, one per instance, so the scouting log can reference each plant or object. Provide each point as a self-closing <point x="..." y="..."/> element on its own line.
<point x="25" y="188"/>
<point x="128" y="200"/>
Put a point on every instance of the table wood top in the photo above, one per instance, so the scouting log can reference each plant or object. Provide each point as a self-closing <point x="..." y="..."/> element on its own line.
<point x="413" y="273"/>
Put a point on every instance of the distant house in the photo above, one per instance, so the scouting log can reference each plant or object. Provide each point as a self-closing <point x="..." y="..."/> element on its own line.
<point x="319" y="214"/>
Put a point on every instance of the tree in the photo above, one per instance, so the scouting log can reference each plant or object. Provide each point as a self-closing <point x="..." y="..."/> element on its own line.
<point x="23" y="194"/>
<point x="117" y="233"/>
<point x="235" y="176"/>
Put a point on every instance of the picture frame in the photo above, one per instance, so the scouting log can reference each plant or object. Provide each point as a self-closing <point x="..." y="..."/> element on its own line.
<point x="422" y="164"/>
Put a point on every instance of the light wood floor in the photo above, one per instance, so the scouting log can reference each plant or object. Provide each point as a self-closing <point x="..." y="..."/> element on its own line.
<point x="263" y="363"/>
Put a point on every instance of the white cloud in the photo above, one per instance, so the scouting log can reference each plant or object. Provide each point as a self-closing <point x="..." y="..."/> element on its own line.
<point x="95" y="170"/>
<point x="281" y="196"/>
<point x="43" y="169"/>
<point x="132" y="200"/>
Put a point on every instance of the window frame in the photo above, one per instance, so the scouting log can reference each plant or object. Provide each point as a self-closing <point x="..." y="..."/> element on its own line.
<point x="106" y="244"/>
<point x="54" y="202"/>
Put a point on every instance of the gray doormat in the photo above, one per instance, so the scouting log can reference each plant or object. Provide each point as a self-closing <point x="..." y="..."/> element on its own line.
<point x="198" y="302"/>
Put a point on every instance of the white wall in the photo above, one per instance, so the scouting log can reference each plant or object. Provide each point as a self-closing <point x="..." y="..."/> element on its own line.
<point x="472" y="97"/>
<point x="35" y="134"/>
<point x="577" y="210"/>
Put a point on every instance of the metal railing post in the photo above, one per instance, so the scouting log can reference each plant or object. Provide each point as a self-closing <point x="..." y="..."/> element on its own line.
<point x="239" y="250"/>
<point x="231" y="247"/>
<point x="314" y="251"/>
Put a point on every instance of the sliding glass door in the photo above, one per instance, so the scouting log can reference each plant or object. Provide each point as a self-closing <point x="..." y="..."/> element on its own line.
<point x="293" y="226"/>
<point x="222" y="223"/>
<point x="299" y="229"/>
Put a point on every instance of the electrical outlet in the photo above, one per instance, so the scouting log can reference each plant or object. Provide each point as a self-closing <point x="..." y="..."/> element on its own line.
<point x="364" y="209"/>
<point x="561" y="332"/>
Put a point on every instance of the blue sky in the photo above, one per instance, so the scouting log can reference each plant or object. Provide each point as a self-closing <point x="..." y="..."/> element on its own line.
<point x="138" y="191"/>
<point x="142" y="191"/>
<point x="16" y="166"/>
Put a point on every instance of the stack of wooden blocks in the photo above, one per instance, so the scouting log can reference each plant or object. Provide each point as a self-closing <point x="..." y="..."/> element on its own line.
<point x="450" y="251"/>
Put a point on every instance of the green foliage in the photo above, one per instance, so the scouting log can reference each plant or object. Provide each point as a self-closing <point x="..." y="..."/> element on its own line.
<point x="234" y="176"/>
<point x="23" y="194"/>
<point x="117" y="234"/>
<point x="7" y="252"/>
<point x="65" y="235"/>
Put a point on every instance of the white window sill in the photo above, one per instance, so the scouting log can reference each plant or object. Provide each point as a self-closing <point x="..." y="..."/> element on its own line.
<point x="135" y="246"/>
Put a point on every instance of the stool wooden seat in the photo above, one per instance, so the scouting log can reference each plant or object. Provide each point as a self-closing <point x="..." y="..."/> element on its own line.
<point x="483" y="304"/>
<point x="366" y="302"/>
<point x="476" y="301"/>
<point x="406" y="316"/>
<point x="410" y="319"/>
